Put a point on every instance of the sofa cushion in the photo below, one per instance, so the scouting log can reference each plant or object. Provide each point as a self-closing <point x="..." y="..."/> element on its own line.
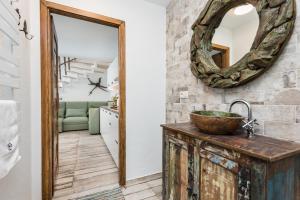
<point x="75" y="113"/>
<point x="97" y="104"/>
<point x="75" y="120"/>
<point x="61" y="113"/>
<point x="62" y="104"/>
<point x="76" y="105"/>
<point x="94" y="121"/>
<point x="62" y="109"/>
<point x="60" y="125"/>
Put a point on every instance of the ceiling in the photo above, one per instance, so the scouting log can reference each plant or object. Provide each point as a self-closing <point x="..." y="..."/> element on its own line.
<point x="82" y="39"/>
<point x="164" y="3"/>
<point x="233" y="21"/>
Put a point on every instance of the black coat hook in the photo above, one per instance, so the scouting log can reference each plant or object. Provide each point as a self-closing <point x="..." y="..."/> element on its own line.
<point x="25" y="30"/>
<point x="18" y="12"/>
<point x="13" y="1"/>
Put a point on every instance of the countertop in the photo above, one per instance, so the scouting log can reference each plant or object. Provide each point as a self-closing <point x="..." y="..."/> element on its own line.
<point x="265" y="148"/>
<point x="110" y="109"/>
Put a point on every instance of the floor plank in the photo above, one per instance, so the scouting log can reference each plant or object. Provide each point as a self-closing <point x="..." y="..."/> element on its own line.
<point x="86" y="167"/>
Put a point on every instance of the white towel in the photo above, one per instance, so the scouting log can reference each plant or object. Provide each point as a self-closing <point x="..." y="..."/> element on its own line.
<point x="9" y="150"/>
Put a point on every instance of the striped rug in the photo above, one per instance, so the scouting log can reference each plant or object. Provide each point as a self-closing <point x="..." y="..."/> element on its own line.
<point x="113" y="194"/>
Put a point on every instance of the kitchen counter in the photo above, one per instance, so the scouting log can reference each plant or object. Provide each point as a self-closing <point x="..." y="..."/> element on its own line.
<point x="110" y="109"/>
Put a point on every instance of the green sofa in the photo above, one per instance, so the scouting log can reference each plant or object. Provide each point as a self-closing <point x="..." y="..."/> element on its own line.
<point x="75" y="116"/>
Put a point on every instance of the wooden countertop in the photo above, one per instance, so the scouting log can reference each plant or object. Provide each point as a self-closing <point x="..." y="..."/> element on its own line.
<point x="110" y="109"/>
<point x="265" y="148"/>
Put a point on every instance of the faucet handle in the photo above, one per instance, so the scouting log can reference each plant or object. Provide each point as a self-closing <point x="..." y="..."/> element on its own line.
<point x="255" y="122"/>
<point x="247" y="125"/>
<point x="250" y="124"/>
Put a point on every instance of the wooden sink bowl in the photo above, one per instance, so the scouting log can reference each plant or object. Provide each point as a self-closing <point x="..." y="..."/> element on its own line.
<point x="216" y="122"/>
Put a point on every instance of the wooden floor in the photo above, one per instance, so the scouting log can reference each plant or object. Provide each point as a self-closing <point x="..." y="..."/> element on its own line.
<point x="86" y="167"/>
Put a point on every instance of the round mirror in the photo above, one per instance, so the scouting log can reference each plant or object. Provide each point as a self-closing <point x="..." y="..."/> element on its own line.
<point x="235" y="41"/>
<point x="235" y="35"/>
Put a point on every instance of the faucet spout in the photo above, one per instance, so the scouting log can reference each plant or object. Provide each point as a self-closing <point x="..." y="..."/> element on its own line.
<point x="249" y="124"/>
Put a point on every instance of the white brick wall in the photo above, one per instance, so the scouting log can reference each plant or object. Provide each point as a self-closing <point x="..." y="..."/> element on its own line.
<point x="275" y="95"/>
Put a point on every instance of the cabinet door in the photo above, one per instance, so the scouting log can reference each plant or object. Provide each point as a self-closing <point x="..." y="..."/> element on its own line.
<point x="219" y="177"/>
<point x="115" y="132"/>
<point x="102" y="121"/>
<point x="105" y="128"/>
<point x="175" y="169"/>
<point x="217" y="182"/>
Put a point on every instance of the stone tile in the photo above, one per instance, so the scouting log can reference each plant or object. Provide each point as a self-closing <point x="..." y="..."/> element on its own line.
<point x="220" y="107"/>
<point x="140" y="195"/>
<point x="283" y="130"/>
<point x="285" y="97"/>
<point x="254" y="96"/>
<point x="274" y="113"/>
<point x="135" y="188"/>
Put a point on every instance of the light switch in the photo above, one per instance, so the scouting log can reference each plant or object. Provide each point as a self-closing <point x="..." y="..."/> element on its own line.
<point x="184" y="94"/>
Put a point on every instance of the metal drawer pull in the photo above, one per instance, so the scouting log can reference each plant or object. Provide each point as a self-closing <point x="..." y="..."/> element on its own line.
<point x="116" y="142"/>
<point x="117" y="116"/>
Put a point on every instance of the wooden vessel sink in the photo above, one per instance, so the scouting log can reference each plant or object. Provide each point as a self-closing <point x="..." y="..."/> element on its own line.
<point x="216" y="122"/>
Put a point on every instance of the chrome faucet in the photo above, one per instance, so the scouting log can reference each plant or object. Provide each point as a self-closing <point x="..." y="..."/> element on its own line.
<point x="249" y="124"/>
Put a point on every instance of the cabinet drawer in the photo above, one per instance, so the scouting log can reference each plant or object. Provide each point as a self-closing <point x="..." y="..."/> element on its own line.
<point x="110" y="133"/>
<point x="219" y="160"/>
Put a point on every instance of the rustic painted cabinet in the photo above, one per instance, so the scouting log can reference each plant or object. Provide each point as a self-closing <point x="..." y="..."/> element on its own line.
<point x="209" y="167"/>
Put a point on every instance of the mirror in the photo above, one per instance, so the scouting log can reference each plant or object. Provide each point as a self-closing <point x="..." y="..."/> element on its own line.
<point x="237" y="64"/>
<point x="235" y="35"/>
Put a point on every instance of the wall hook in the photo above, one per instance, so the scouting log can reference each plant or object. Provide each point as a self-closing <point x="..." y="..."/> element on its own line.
<point x="25" y="30"/>
<point x="18" y="12"/>
<point x="13" y="1"/>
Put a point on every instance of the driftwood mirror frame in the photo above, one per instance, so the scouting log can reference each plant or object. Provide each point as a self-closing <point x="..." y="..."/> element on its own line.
<point x="277" y="19"/>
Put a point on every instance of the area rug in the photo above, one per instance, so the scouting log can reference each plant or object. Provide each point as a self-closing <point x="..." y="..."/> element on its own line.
<point x="113" y="194"/>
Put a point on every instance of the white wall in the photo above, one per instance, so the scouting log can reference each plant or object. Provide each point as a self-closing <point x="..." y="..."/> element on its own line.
<point x="16" y="185"/>
<point x="224" y="36"/>
<point x="145" y="79"/>
<point x="35" y="94"/>
<point x="82" y="39"/>
<point x="79" y="89"/>
<point x="238" y="39"/>
<point x="112" y="72"/>
<point x="112" y="75"/>
<point x="243" y="38"/>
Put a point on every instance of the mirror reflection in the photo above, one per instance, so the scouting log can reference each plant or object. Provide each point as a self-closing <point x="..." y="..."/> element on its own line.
<point x="235" y="35"/>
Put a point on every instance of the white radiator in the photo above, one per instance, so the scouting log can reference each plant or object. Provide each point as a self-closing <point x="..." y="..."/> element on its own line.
<point x="9" y="46"/>
<point x="9" y="84"/>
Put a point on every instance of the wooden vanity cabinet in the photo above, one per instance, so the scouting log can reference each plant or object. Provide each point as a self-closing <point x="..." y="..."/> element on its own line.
<point x="208" y="167"/>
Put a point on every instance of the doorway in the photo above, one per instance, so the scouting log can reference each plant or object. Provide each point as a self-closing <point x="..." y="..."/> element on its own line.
<point x="221" y="55"/>
<point x="49" y="75"/>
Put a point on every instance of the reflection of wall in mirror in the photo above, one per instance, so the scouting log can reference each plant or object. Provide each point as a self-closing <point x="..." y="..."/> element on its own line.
<point x="223" y="36"/>
<point x="243" y="37"/>
<point x="239" y="39"/>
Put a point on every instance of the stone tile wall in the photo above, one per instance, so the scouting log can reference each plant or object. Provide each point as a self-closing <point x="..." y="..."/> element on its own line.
<point x="275" y="95"/>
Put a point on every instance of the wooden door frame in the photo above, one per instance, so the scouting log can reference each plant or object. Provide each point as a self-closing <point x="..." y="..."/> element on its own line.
<point x="46" y="86"/>
<point x="226" y="53"/>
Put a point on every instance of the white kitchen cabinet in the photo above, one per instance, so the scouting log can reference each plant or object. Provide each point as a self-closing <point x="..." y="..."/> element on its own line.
<point x="109" y="128"/>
